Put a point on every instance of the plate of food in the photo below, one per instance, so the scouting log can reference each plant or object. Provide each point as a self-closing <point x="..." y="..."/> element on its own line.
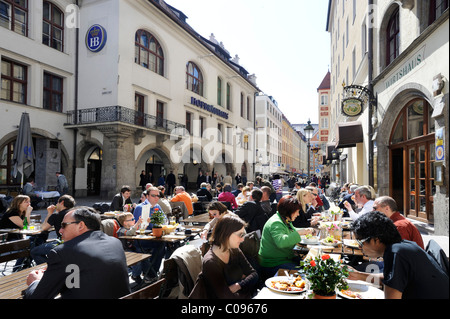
<point x="361" y="290"/>
<point x="352" y="243"/>
<point x="346" y="224"/>
<point x="309" y="240"/>
<point x="330" y="241"/>
<point x="290" y="285"/>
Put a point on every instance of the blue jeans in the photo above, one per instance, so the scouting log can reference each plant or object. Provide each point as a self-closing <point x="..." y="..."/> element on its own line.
<point x="157" y="249"/>
<point x="39" y="253"/>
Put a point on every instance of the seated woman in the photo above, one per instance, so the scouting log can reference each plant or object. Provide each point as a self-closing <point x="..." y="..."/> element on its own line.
<point x="279" y="238"/>
<point x="226" y="273"/>
<point x="14" y="217"/>
<point x="227" y="196"/>
<point x="306" y="199"/>
<point x="216" y="210"/>
<point x="243" y="196"/>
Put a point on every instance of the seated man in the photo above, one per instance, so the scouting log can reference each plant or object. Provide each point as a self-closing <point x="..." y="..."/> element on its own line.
<point x="121" y="199"/>
<point x="55" y="215"/>
<point x="30" y="190"/>
<point x="363" y="198"/>
<point x="407" y="230"/>
<point x="80" y="268"/>
<point x="266" y="204"/>
<point x="157" y="249"/>
<point x="252" y="213"/>
<point x="204" y="192"/>
<point x="409" y="272"/>
<point x="183" y="196"/>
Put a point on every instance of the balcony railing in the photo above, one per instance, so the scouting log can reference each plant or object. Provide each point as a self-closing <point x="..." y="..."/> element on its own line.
<point x="120" y="114"/>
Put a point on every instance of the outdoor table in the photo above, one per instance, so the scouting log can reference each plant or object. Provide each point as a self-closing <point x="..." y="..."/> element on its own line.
<point x="165" y="238"/>
<point x="367" y="290"/>
<point x="46" y="195"/>
<point x="201" y="219"/>
<point x="12" y="286"/>
<point x="49" y="198"/>
<point x="26" y="232"/>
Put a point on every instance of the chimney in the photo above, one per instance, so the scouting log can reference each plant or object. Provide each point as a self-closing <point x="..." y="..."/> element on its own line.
<point x="252" y="78"/>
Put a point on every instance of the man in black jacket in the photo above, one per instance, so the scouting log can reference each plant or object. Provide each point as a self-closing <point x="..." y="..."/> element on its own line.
<point x="121" y="199"/>
<point x="252" y="213"/>
<point x="171" y="181"/>
<point x="89" y="265"/>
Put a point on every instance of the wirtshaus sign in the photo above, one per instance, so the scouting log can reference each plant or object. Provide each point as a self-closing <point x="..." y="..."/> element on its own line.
<point x="209" y="108"/>
<point x="406" y="68"/>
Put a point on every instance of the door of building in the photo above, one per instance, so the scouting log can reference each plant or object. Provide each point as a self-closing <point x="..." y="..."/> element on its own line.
<point x="412" y="158"/>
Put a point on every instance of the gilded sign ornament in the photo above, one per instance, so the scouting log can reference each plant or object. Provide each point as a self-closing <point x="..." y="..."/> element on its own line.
<point x="354" y="98"/>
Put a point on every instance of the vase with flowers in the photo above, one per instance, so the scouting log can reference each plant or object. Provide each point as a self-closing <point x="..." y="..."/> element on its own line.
<point x="157" y="219"/>
<point x="325" y="276"/>
<point x="334" y="230"/>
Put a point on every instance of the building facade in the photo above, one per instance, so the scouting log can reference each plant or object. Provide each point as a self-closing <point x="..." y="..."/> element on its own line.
<point x="390" y="91"/>
<point x="269" y="128"/>
<point x="131" y="87"/>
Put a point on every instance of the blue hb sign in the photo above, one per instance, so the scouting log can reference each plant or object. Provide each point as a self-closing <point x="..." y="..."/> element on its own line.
<point x="96" y="38"/>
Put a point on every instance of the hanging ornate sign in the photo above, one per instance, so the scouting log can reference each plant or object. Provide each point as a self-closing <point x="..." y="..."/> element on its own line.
<point x="354" y="99"/>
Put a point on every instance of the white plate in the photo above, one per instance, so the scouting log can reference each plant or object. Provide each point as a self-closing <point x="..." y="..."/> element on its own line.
<point x="283" y="278"/>
<point x="351" y="243"/>
<point x="335" y="244"/>
<point x="312" y="241"/>
<point x="364" y="291"/>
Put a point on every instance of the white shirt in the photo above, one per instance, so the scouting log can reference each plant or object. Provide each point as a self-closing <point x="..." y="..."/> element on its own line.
<point x="368" y="207"/>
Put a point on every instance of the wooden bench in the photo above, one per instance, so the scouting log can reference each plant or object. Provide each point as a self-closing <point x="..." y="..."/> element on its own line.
<point x="12" y="250"/>
<point x="12" y="286"/>
<point x="150" y="292"/>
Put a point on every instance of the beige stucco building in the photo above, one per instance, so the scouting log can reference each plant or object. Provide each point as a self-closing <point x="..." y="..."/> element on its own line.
<point x="121" y="86"/>
<point x="394" y="55"/>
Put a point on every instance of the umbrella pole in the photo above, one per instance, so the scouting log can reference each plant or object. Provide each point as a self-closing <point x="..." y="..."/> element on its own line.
<point x="21" y="179"/>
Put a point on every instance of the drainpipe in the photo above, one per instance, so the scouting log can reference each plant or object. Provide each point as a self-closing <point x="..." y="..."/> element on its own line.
<point x="371" y="100"/>
<point x="75" y="132"/>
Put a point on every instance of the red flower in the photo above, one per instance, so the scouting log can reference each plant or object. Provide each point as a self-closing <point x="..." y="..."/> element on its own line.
<point x="312" y="263"/>
<point x="325" y="257"/>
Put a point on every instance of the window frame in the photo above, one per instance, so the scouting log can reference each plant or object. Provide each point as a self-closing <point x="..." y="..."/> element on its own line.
<point x="12" y="16"/>
<point x="194" y="82"/>
<point x="394" y="18"/>
<point x="432" y="16"/>
<point x="53" y="26"/>
<point x="13" y="80"/>
<point x="159" y="67"/>
<point x="53" y="92"/>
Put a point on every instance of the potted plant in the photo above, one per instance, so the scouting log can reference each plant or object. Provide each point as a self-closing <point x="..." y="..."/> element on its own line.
<point x="325" y="276"/>
<point x="157" y="219"/>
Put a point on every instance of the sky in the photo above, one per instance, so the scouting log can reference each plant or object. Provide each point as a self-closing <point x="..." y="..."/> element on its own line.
<point x="284" y="43"/>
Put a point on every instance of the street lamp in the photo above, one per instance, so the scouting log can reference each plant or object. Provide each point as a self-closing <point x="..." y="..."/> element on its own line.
<point x="309" y="131"/>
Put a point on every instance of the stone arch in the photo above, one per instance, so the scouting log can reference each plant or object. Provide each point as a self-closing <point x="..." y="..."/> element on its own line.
<point x="83" y="147"/>
<point x="395" y="105"/>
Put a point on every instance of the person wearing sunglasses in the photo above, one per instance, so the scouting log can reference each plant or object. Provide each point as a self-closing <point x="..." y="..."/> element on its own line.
<point x="409" y="272"/>
<point x="226" y="272"/>
<point x="129" y="228"/>
<point x="89" y="265"/>
<point x="156" y="249"/>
